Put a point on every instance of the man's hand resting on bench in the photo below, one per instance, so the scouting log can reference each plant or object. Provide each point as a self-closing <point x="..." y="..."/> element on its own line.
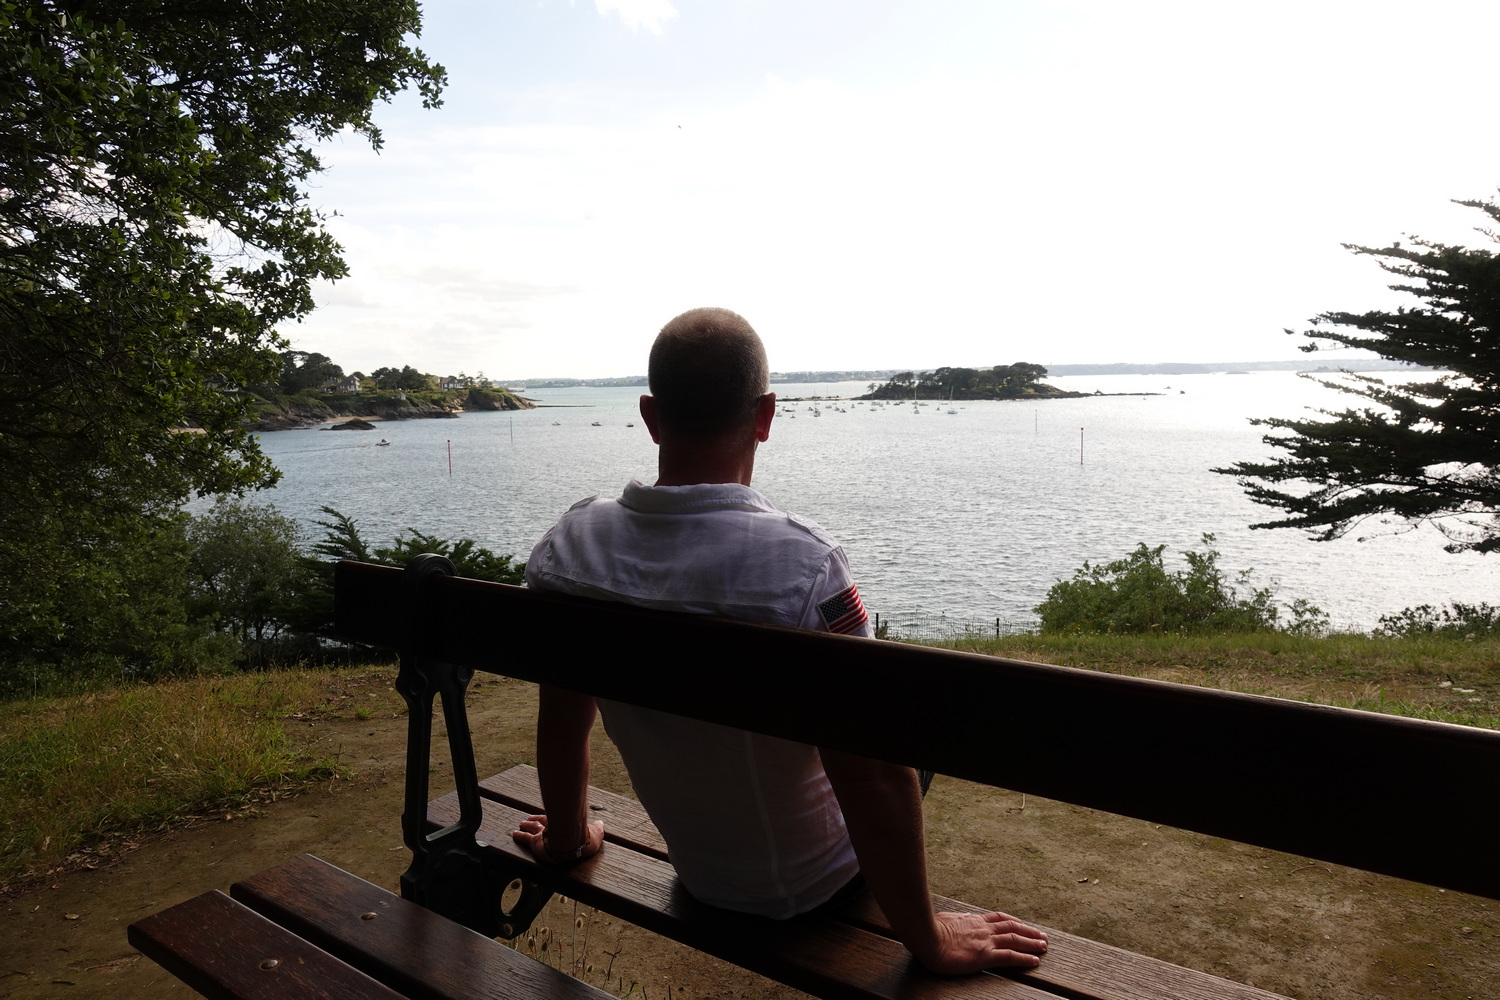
<point x="533" y="835"/>
<point x="564" y="719"/>
<point x="882" y="806"/>
<point x="973" y="942"/>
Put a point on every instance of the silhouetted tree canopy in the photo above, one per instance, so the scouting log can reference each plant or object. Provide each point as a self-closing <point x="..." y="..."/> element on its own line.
<point x="1414" y="451"/>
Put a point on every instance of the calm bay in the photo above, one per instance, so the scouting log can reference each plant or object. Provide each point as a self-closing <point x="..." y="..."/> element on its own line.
<point x="951" y="520"/>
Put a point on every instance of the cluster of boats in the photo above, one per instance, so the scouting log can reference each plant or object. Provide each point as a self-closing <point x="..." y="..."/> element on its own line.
<point x="816" y="408"/>
<point x="876" y="404"/>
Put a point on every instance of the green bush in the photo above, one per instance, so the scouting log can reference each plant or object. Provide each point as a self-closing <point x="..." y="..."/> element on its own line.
<point x="1458" y="620"/>
<point x="1139" y="594"/>
<point x="116" y="609"/>
<point x="469" y="558"/>
<point x="309" y="606"/>
<point x="243" y="562"/>
<point x="152" y="597"/>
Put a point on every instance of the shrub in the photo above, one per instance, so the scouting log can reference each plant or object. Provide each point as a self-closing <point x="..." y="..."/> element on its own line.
<point x="116" y="609"/>
<point x="469" y="558"/>
<point x="309" y="608"/>
<point x="1138" y="594"/>
<point x="244" y="557"/>
<point x="1458" y="620"/>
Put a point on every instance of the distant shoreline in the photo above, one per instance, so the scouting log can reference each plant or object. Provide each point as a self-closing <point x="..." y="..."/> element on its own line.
<point x="285" y="413"/>
<point x="1053" y="371"/>
<point x="969" y="399"/>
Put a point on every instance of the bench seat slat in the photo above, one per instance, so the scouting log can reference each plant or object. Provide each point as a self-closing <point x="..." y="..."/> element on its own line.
<point x="1074" y="966"/>
<point x="226" y="951"/>
<point x="401" y="944"/>
<point x="827" y="958"/>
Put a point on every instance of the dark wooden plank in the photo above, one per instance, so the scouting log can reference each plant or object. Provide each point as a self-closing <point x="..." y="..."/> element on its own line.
<point x="410" y="949"/>
<point x="1080" y="967"/>
<point x="228" y="952"/>
<point x="1074" y="966"/>
<point x="826" y="958"/>
<point x="1303" y="779"/>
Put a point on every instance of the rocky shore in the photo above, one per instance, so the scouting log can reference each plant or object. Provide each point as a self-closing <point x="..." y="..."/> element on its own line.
<point x="289" y="413"/>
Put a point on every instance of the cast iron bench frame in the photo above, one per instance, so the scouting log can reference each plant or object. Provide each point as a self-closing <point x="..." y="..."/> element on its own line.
<point x="1304" y="779"/>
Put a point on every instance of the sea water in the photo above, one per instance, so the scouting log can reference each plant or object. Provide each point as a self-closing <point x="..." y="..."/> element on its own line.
<point x="953" y="515"/>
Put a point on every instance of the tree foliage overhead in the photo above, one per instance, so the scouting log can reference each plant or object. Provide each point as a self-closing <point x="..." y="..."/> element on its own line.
<point x="1419" y="451"/>
<point x="155" y="230"/>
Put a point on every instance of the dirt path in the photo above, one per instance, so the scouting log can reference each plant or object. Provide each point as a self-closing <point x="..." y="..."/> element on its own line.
<point x="1285" y="924"/>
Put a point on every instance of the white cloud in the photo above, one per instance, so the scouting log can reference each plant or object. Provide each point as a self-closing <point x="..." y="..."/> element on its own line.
<point x="638" y="14"/>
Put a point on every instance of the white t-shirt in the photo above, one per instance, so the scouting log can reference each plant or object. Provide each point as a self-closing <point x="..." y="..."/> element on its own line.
<point x="750" y="821"/>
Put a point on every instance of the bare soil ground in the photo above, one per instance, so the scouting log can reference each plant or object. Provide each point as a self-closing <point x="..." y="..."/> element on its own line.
<point x="1285" y="924"/>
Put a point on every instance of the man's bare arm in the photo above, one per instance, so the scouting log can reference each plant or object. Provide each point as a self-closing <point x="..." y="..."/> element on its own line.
<point x="563" y="833"/>
<point x="882" y="806"/>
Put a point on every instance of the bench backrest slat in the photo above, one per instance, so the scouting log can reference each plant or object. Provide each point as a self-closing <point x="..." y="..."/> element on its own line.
<point x="1398" y="796"/>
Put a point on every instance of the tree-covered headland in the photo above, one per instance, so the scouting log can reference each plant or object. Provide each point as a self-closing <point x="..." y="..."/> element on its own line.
<point x="312" y="389"/>
<point x="1021" y="380"/>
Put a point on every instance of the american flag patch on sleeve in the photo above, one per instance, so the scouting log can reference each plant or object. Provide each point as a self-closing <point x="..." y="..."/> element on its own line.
<point x="844" y="612"/>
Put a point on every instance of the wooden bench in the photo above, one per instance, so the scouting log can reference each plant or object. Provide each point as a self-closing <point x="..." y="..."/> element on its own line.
<point x="1299" y="778"/>
<point x="306" y="929"/>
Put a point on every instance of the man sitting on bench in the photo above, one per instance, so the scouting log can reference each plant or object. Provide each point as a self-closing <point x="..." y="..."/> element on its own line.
<point x="752" y="823"/>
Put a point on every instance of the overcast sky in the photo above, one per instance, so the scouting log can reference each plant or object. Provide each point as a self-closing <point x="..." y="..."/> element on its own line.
<point x="893" y="183"/>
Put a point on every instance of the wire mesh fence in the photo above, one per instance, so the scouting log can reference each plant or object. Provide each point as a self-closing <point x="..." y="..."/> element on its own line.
<point x="919" y="627"/>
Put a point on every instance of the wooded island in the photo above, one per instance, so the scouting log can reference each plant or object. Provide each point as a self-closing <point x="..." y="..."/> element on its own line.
<point x="1021" y="380"/>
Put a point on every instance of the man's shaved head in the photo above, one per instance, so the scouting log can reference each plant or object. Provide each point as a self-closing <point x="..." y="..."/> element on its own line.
<point x="707" y="370"/>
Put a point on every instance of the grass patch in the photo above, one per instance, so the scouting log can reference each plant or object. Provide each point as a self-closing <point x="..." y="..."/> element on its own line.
<point x="78" y="769"/>
<point x="1440" y="678"/>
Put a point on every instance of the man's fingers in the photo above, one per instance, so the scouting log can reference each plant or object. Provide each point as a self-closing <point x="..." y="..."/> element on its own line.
<point x="533" y="823"/>
<point x="1019" y="942"/>
<point x="1006" y="959"/>
<point x="1005" y="923"/>
<point x="531" y="833"/>
<point x="528" y="834"/>
<point x="995" y="916"/>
